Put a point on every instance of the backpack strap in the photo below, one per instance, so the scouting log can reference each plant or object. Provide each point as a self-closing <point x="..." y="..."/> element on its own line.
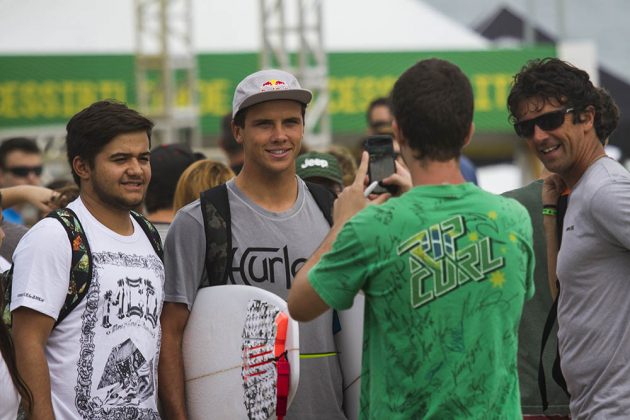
<point x="552" y="316"/>
<point x="5" y="288"/>
<point x="324" y="199"/>
<point x="81" y="266"/>
<point x="215" y="209"/>
<point x="151" y="232"/>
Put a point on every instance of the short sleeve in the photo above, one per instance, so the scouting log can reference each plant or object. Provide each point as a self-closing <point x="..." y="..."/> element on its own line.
<point x="341" y="272"/>
<point x="41" y="272"/>
<point x="184" y="257"/>
<point x="610" y="210"/>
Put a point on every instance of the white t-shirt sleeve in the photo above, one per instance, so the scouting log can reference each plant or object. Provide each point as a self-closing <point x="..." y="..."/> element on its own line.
<point x="41" y="272"/>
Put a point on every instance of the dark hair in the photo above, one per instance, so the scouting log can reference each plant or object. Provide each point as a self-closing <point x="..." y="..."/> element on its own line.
<point x="7" y="351"/>
<point x="551" y="79"/>
<point x="22" y="144"/>
<point x="432" y="103"/>
<point x="607" y="119"/>
<point x="227" y="142"/>
<point x="239" y="118"/>
<point x="168" y="162"/>
<point x="90" y="130"/>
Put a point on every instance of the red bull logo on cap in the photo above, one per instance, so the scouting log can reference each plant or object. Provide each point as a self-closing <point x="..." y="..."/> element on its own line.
<point x="273" y="84"/>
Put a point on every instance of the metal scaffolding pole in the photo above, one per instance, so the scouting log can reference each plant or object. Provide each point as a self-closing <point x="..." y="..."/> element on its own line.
<point x="292" y="41"/>
<point x="166" y="70"/>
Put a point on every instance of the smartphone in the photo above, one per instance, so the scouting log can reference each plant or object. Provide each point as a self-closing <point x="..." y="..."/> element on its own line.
<point x="381" y="151"/>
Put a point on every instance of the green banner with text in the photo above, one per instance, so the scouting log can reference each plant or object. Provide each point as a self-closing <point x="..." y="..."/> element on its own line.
<point x="44" y="90"/>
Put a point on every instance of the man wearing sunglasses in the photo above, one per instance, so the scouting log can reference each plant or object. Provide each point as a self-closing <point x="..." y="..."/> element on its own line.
<point x="557" y="111"/>
<point x="20" y="164"/>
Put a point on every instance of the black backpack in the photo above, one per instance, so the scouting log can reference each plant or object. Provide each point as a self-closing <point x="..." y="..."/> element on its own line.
<point x="215" y="209"/>
<point x="81" y="266"/>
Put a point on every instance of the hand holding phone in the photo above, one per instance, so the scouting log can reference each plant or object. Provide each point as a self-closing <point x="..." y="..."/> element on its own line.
<point x="381" y="151"/>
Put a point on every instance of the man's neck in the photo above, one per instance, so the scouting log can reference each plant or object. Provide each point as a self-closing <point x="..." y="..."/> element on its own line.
<point x="431" y="172"/>
<point x="274" y="192"/>
<point x="116" y="219"/>
<point x="161" y="216"/>
<point x="582" y="163"/>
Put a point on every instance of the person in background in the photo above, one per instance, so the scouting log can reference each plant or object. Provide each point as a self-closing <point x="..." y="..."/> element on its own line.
<point x="445" y="268"/>
<point x="379" y="116"/>
<point x="198" y="177"/>
<point x="13" y="389"/>
<point x="347" y="163"/>
<point x="20" y="164"/>
<point x="168" y="162"/>
<point x="320" y="168"/>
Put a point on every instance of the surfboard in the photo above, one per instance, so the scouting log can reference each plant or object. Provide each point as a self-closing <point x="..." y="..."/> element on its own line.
<point x="350" y="346"/>
<point x="231" y="344"/>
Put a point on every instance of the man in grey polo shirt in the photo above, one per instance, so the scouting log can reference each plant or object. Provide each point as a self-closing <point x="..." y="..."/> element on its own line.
<point x="555" y="108"/>
<point x="275" y="224"/>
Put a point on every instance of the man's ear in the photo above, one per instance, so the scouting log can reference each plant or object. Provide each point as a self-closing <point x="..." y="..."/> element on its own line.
<point x="471" y="131"/>
<point x="237" y="133"/>
<point x="398" y="135"/>
<point x="587" y="117"/>
<point x="81" y="168"/>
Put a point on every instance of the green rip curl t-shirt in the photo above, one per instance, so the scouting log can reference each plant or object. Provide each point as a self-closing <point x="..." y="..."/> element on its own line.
<point x="445" y="270"/>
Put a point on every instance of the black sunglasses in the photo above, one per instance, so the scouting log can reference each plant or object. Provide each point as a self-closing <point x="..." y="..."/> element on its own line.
<point x="549" y="121"/>
<point x="23" y="171"/>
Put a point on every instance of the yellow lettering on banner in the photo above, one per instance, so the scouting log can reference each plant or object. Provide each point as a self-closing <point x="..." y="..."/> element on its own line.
<point x="28" y="100"/>
<point x="8" y="92"/>
<point x="106" y="90"/>
<point x="502" y="83"/>
<point x="342" y="95"/>
<point x="481" y="87"/>
<point x="491" y="91"/>
<point x="50" y="99"/>
<point x="68" y="99"/>
<point x="86" y="94"/>
<point x="55" y="99"/>
<point x="213" y="95"/>
<point x="370" y="88"/>
<point x="351" y="95"/>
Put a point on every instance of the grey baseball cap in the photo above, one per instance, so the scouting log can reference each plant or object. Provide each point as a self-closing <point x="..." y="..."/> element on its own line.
<point x="268" y="85"/>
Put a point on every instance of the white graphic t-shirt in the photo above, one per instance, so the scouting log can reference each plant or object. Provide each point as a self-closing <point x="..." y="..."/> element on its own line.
<point x="103" y="356"/>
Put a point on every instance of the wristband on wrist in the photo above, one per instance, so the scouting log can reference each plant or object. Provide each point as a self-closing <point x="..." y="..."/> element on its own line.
<point x="550" y="211"/>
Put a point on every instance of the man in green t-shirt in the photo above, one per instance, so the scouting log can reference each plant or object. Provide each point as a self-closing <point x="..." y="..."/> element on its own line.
<point x="445" y="268"/>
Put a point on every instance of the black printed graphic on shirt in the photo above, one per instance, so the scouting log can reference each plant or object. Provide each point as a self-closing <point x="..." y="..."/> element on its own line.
<point x="264" y="265"/>
<point x="115" y="316"/>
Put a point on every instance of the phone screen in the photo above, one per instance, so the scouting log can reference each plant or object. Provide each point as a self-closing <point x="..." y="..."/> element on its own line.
<point x="381" y="151"/>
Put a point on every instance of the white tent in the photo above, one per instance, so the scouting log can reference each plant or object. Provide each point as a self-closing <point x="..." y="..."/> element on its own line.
<point x="107" y="26"/>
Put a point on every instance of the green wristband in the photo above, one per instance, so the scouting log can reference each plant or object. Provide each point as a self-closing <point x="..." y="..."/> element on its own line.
<point x="550" y="212"/>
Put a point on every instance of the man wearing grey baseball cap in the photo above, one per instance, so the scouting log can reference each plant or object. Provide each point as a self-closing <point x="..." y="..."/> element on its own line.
<point x="274" y="222"/>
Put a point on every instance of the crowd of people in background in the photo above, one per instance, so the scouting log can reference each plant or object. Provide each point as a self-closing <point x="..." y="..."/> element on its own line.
<point x="463" y="287"/>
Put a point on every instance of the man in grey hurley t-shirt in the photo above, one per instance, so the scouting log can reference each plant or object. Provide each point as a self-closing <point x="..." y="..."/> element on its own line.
<point x="275" y="226"/>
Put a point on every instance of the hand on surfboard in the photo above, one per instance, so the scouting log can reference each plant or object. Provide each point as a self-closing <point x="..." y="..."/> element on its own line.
<point x="352" y="199"/>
